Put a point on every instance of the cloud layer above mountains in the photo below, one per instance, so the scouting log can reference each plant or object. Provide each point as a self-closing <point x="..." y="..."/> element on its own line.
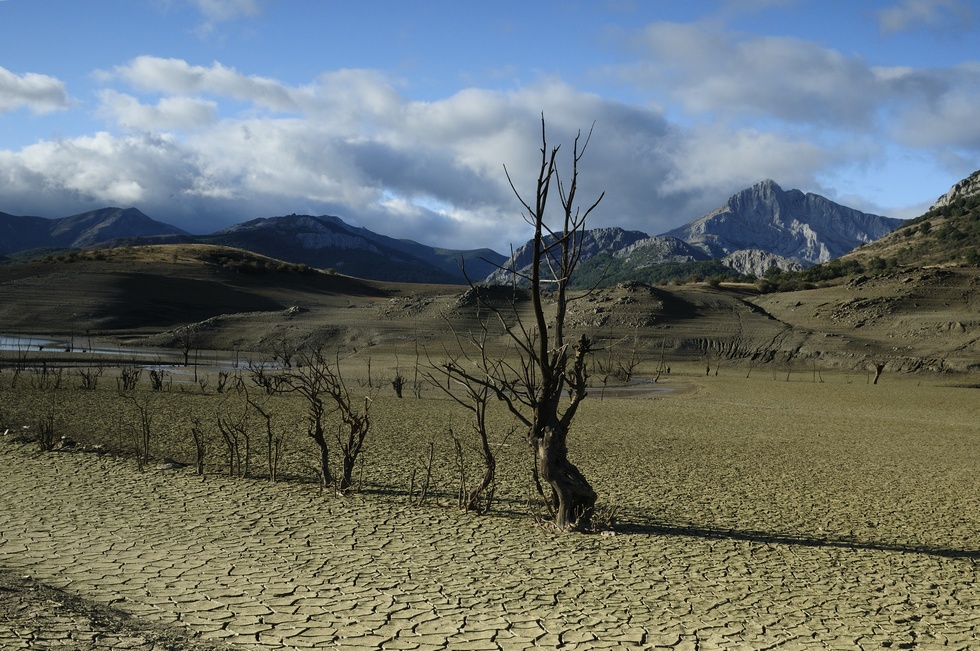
<point x="704" y="111"/>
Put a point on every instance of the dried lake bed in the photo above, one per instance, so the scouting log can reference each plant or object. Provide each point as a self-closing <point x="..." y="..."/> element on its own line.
<point x="750" y="513"/>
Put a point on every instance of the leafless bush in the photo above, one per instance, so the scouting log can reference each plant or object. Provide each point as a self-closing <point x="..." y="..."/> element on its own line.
<point x="235" y="434"/>
<point x="271" y="382"/>
<point x="223" y="377"/>
<point x="322" y="385"/>
<point x="398" y="384"/>
<point x="45" y="433"/>
<point x="45" y="378"/>
<point x="473" y="394"/>
<point x="200" y="444"/>
<point x="603" y="520"/>
<point x="140" y="428"/>
<point x="129" y="377"/>
<point x="89" y="377"/>
<point x="473" y="497"/>
<point x="159" y="379"/>
<point x="423" y="488"/>
<point x="274" y="440"/>
<point x="283" y="352"/>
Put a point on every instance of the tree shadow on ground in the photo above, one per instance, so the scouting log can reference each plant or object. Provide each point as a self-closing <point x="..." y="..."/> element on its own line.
<point x="643" y="525"/>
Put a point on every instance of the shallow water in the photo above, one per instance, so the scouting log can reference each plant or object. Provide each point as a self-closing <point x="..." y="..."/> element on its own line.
<point x="73" y="348"/>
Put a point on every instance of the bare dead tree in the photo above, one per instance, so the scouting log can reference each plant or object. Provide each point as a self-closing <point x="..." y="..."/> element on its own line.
<point x="323" y="387"/>
<point x="423" y="489"/>
<point x="200" y="444"/>
<point x="662" y="365"/>
<point x="474" y="395"/>
<point x="309" y="381"/>
<point x="140" y="430"/>
<point x="238" y="444"/>
<point x="878" y="367"/>
<point x="186" y="341"/>
<point x="628" y="366"/>
<point x="129" y="377"/>
<point x="551" y="365"/>
<point x="398" y="382"/>
<point x="274" y="439"/>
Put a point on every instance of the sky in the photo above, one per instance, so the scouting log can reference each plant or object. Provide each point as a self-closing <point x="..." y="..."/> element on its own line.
<point x="407" y="118"/>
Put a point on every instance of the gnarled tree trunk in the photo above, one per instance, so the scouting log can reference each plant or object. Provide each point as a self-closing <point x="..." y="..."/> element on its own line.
<point x="572" y="498"/>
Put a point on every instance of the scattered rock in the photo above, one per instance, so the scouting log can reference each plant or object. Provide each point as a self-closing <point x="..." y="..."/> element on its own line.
<point x="170" y="464"/>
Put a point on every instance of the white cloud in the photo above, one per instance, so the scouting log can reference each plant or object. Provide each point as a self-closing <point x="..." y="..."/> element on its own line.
<point x="36" y="92"/>
<point x="715" y="72"/>
<point x="176" y="76"/>
<point x="430" y="171"/>
<point x="168" y="113"/>
<point x="99" y="169"/>
<point x="941" y="110"/>
<point x="712" y="158"/>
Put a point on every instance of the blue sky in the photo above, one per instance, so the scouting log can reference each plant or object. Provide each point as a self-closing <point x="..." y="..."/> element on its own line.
<point x="400" y="116"/>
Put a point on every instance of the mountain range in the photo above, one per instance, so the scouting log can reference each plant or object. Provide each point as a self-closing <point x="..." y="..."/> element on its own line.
<point x="758" y="228"/>
<point x="78" y="231"/>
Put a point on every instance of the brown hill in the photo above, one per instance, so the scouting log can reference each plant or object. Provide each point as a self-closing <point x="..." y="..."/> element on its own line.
<point x="909" y="319"/>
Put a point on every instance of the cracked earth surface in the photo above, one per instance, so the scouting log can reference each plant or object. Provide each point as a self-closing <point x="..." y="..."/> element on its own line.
<point x="186" y="563"/>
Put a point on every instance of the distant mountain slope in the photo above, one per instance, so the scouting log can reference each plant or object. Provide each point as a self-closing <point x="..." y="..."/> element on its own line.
<point x="758" y="228"/>
<point x="948" y="234"/>
<point x="806" y="228"/>
<point x="76" y="231"/>
<point x="322" y="242"/>
<point x="594" y="242"/>
<point x="328" y="242"/>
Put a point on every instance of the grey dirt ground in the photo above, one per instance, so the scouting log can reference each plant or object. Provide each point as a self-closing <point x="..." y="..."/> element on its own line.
<point x="260" y="566"/>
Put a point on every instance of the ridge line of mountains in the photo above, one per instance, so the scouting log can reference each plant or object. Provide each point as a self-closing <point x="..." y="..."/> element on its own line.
<point x="756" y="229"/>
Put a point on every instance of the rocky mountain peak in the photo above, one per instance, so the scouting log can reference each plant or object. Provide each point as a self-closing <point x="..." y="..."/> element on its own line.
<point x="804" y="227"/>
<point x="965" y="188"/>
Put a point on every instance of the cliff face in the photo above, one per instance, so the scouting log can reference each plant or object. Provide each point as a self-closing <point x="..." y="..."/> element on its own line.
<point x="805" y="228"/>
<point x="966" y="188"/>
<point x="756" y="263"/>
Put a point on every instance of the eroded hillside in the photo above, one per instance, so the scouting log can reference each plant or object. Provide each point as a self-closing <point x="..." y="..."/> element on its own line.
<point x="908" y="319"/>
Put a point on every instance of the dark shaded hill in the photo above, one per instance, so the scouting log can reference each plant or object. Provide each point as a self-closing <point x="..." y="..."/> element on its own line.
<point x="329" y="243"/>
<point x="78" y="231"/>
<point x="153" y="288"/>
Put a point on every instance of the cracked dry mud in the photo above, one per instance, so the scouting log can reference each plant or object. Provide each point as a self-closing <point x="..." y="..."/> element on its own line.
<point x="252" y="565"/>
